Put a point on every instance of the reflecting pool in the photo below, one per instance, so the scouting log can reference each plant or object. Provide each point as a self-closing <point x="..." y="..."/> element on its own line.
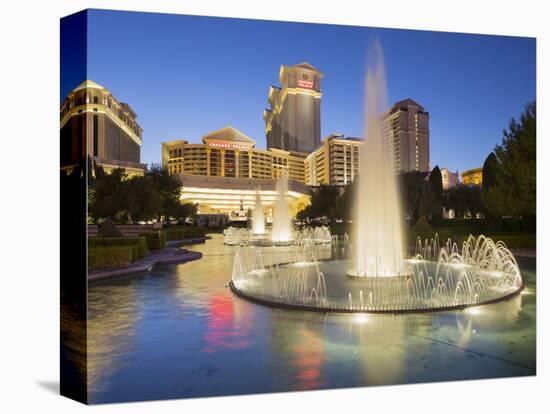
<point x="178" y="332"/>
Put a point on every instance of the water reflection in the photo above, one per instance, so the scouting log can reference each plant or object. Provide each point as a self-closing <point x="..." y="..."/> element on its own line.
<point x="227" y="328"/>
<point x="181" y="326"/>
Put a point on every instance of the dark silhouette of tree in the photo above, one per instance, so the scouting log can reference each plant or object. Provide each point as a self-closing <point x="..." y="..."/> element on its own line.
<point x="414" y="195"/>
<point x="436" y="193"/>
<point x="512" y="187"/>
<point x="465" y="200"/>
<point x="168" y="187"/>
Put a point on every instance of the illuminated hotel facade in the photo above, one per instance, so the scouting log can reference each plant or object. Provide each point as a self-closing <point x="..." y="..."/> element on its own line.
<point x="293" y="120"/>
<point x="473" y="176"/>
<point x="222" y="173"/>
<point x="95" y="124"/>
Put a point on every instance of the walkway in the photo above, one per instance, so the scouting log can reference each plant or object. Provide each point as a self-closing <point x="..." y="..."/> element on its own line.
<point x="169" y="254"/>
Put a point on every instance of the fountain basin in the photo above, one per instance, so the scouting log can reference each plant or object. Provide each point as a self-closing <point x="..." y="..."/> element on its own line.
<point x="484" y="272"/>
<point x="430" y="286"/>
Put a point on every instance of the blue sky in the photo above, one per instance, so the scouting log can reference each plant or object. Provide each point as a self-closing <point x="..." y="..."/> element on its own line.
<point x="186" y="76"/>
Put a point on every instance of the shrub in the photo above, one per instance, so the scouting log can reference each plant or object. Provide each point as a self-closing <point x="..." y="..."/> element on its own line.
<point x="137" y="244"/>
<point x="109" y="256"/>
<point x="180" y="233"/>
<point x="175" y="234"/>
<point x="155" y="240"/>
<point x="108" y="229"/>
<point x="194" y="232"/>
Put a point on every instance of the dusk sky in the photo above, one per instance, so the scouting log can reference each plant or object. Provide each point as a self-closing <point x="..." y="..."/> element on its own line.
<point x="186" y="76"/>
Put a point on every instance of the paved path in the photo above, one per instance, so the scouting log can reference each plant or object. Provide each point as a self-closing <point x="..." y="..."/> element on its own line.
<point x="167" y="255"/>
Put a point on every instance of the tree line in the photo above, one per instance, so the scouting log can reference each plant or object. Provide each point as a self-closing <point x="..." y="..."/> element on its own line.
<point x="126" y="199"/>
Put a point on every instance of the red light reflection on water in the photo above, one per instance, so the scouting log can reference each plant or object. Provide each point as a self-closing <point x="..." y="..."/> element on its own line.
<point x="227" y="329"/>
<point x="308" y="358"/>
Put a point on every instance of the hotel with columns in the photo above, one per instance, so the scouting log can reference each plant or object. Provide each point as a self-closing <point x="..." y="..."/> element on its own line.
<point x="222" y="173"/>
<point x="93" y="123"/>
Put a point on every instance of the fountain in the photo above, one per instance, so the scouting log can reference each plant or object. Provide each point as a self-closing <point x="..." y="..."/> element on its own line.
<point x="380" y="277"/>
<point x="281" y="232"/>
<point x="378" y="238"/>
<point x="258" y="221"/>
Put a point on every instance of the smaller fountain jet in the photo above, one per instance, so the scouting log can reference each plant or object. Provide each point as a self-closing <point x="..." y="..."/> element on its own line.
<point x="282" y="231"/>
<point x="258" y="221"/>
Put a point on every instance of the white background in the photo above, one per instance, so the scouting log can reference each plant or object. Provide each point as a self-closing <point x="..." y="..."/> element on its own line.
<point x="29" y="194"/>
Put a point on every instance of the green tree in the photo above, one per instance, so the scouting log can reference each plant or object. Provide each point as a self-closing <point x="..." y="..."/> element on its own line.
<point x="465" y="200"/>
<point x="183" y="211"/>
<point x="414" y="192"/>
<point x="513" y="190"/>
<point x="436" y="193"/>
<point x="323" y="202"/>
<point x="343" y="206"/>
<point x="105" y="195"/>
<point x="139" y="200"/>
<point x="489" y="177"/>
<point x="168" y="187"/>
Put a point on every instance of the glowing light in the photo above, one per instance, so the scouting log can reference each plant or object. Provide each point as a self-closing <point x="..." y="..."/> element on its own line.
<point x="474" y="311"/>
<point x="361" y="318"/>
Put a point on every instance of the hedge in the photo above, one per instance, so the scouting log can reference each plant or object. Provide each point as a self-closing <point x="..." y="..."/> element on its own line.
<point x="155" y="240"/>
<point x="109" y="256"/>
<point x="137" y="244"/>
<point x="179" y="233"/>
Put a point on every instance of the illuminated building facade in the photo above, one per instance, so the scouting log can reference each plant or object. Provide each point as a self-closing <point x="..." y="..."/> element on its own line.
<point x="293" y="121"/>
<point x="448" y="179"/>
<point x="408" y="134"/>
<point x="473" y="176"/>
<point x="231" y="195"/>
<point x="222" y="173"/>
<point x="336" y="162"/>
<point x="228" y="152"/>
<point x="95" y="124"/>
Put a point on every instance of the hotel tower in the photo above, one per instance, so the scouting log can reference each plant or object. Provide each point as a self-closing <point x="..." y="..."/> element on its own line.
<point x="293" y="121"/>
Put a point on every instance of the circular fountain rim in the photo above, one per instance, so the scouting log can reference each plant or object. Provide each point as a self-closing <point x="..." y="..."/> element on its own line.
<point x="321" y="309"/>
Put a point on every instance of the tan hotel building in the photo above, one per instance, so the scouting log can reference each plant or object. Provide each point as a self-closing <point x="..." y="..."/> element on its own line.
<point x="95" y="124"/>
<point x="223" y="172"/>
<point x="473" y="176"/>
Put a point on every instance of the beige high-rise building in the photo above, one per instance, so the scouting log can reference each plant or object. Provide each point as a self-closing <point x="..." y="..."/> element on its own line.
<point x="408" y="133"/>
<point x="336" y="162"/>
<point x="293" y="121"/>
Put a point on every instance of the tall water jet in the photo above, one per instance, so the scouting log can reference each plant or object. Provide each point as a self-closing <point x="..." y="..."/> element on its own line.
<point x="282" y="231"/>
<point x="258" y="221"/>
<point x="377" y="224"/>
